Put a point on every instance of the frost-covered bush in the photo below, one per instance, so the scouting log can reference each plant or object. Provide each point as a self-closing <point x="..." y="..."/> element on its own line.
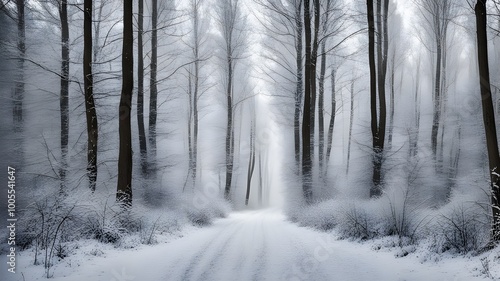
<point x="320" y="216"/>
<point x="462" y="228"/>
<point x="203" y="214"/>
<point x="359" y="220"/>
<point x="46" y="224"/>
<point x="402" y="215"/>
<point x="104" y="221"/>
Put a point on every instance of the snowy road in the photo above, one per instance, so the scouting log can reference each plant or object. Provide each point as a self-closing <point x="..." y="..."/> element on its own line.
<point x="261" y="245"/>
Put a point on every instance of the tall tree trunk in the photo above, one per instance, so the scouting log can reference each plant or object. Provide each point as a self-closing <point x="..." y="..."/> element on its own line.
<point x="19" y="85"/>
<point x="378" y="126"/>
<point x="153" y="88"/>
<point x="351" y="121"/>
<point x="124" y="186"/>
<point x="488" y="116"/>
<point x="299" y="85"/>
<point x="436" y="116"/>
<point x="196" y="89"/>
<point x="312" y="69"/>
<point x="140" y="90"/>
<point x="251" y="161"/>
<point x="229" y="128"/>
<point x="64" y="95"/>
<point x="391" y="100"/>
<point x="260" y="179"/>
<point x="91" y="114"/>
<point x="321" y="83"/>
<point x="306" y="123"/>
<point x="416" y="115"/>
<point x="332" y="118"/>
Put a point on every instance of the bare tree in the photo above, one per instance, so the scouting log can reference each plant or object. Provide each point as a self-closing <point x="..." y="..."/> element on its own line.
<point x="91" y="114"/>
<point x="64" y="91"/>
<point x="124" y="185"/>
<point x="140" y="88"/>
<point x="331" y="125"/>
<point x="311" y="51"/>
<point x="153" y="87"/>
<point x="437" y="16"/>
<point x="284" y="25"/>
<point x="488" y="117"/>
<point x="21" y="49"/>
<point x="377" y="77"/>
<point x="251" y="160"/>
<point x="194" y="91"/>
<point x="230" y="19"/>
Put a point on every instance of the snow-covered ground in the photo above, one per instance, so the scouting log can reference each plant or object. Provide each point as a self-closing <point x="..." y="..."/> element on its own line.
<point x="251" y="245"/>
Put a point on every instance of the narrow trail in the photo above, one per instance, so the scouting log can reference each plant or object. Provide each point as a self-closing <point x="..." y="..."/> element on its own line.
<point x="262" y="245"/>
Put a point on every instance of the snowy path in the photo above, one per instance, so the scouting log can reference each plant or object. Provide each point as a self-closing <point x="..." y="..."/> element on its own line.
<point x="261" y="245"/>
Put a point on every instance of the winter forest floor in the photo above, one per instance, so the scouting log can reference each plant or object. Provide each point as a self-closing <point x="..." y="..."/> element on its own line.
<point x="257" y="245"/>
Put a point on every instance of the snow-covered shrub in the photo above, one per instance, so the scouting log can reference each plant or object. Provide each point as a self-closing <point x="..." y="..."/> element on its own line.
<point x="358" y="220"/>
<point x="46" y="224"/>
<point x="402" y="214"/>
<point x="320" y="216"/>
<point x="462" y="229"/>
<point x="203" y="214"/>
<point x="103" y="221"/>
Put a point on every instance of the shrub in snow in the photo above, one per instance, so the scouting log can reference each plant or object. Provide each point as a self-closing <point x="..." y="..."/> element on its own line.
<point x="203" y="214"/>
<point x="461" y="228"/>
<point x="401" y="214"/>
<point x="358" y="221"/>
<point x="104" y="222"/>
<point x="46" y="224"/>
<point x="320" y="216"/>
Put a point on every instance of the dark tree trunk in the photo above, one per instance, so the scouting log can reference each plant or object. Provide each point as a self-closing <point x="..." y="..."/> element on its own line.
<point x="140" y="89"/>
<point x="64" y="95"/>
<point x="299" y="86"/>
<point x="391" y="101"/>
<point x="229" y="129"/>
<point x="321" y="83"/>
<point x="19" y="85"/>
<point x="436" y="116"/>
<point x="196" y="82"/>
<point x="313" y="71"/>
<point x="373" y="81"/>
<point x="251" y="161"/>
<point x="351" y="121"/>
<point x="124" y="186"/>
<point x="306" y="122"/>
<point x="378" y="126"/>
<point x="488" y="116"/>
<point x="332" y="119"/>
<point x="91" y="114"/>
<point x="153" y="98"/>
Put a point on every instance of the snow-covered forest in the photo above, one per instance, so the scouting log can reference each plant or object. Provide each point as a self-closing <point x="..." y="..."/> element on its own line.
<point x="250" y="139"/>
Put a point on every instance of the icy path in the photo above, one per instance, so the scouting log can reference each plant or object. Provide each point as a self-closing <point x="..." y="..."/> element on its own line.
<point x="260" y="245"/>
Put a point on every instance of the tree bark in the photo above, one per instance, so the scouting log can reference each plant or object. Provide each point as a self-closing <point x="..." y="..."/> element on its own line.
<point x="124" y="186"/>
<point x="153" y="88"/>
<point x="251" y="161"/>
<point x="332" y="118"/>
<point x="351" y="121"/>
<point x="140" y="90"/>
<point x="64" y="91"/>
<point x="488" y="116"/>
<point x="299" y="85"/>
<point x="321" y="83"/>
<point x="306" y="122"/>
<point x="229" y="131"/>
<point x="18" y="97"/>
<point x="91" y="114"/>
